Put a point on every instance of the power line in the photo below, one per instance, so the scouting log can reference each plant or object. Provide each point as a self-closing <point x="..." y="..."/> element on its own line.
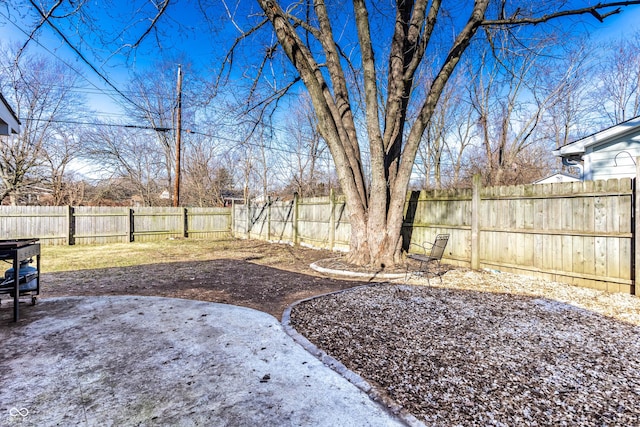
<point x="167" y="129"/>
<point x="85" y="59"/>
<point x="54" y="55"/>
<point x="74" y="122"/>
<point x="80" y="55"/>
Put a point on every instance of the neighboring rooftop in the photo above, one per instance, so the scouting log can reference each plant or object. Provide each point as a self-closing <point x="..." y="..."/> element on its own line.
<point x="609" y="153"/>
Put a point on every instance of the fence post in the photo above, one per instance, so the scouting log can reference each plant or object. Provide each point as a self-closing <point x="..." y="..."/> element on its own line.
<point x="294" y="224"/>
<point x="268" y="218"/>
<point x="332" y="219"/>
<point x="185" y="223"/>
<point x="71" y="226"/>
<point x="248" y="224"/>
<point x="232" y="221"/>
<point x="635" y="228"/>
<point x="131" y="225"/>
<point x="475" y="223"/>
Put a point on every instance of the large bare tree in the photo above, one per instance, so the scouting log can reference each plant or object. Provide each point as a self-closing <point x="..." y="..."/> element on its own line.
<point x="128" y="156"/>
<point x="310" y="35"/>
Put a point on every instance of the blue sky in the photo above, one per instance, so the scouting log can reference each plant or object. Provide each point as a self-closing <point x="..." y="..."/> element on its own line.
<point x="184" y="30"/>
<point x="185" y="37"/>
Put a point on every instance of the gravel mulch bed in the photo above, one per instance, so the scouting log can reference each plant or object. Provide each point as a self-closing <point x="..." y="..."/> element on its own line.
<point x="487" y="349"/>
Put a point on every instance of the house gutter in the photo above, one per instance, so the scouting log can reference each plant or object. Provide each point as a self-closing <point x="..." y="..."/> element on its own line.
<point x="573" y="163"/>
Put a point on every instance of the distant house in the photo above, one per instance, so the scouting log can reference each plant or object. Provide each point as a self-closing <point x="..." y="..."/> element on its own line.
<point x="557" y="177"/>
<point x="610" y="153"/>
<point x="9" y="122"/>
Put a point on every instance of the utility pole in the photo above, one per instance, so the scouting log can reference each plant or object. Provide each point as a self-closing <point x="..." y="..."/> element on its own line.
<point x="176" y="188"/>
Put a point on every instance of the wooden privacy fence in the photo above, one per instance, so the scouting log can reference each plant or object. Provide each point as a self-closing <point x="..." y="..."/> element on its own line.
<point x="580" y="233"/>
<point x="66" y="225"/>
<point x="319" y="222"/>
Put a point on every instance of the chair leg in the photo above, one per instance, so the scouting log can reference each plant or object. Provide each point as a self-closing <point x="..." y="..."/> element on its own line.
<point x="408" y="274"/>
<point x="411" y="273"/>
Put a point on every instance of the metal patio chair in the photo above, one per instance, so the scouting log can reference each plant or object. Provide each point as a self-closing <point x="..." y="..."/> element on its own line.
<point x="429" y="259"/>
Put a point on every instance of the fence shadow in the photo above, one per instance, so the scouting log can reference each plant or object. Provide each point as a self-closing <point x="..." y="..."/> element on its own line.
<point x="409" y="219"/>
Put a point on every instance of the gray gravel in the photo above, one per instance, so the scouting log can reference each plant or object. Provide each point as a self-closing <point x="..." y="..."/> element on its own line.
<point x="451" y="355"/>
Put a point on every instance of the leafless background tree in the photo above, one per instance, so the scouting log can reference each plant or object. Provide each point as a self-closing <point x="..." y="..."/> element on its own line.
<point x="617" y="72"/>
<point x="40" y="89"/>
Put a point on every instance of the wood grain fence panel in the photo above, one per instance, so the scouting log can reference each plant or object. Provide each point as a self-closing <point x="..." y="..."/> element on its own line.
<point x="626" y="227"/>
<point x="282" y="221"/>
<point x="259" y="218"/>
<point x="485" y="239"/>
<point x="313" y="222"/>
<point x="240" y="223"/>
<point x="546" y="242"/>
<point x="589" y="226"/>
<point x="613" y="214"/>
<point x="538" y="224"/>
<point x="625" y="259"/>
<point x="578" y="260"/>
<point x="613" y="257"/>
<point x="101" y="225"/>
<point x="528" y="214"/>
<point x="153" y="223"/>
<point x="519" y="245"/>
<point x="209" y="223"/>
<point x="600" y="226"/>
<point x="529" y="250"/>
<point x="503" y="214"/>
<point x="537" y="260"/>
<point x="516" y="214"/>
<point x="47" y="223"/>
<point x="578" y="223"/>
<point x="589" y="254"/>
<point x="600" y="256"/>
<point x="625" y="217"/>
<point x="566" y="253"/>
<point x="556" y="251"/>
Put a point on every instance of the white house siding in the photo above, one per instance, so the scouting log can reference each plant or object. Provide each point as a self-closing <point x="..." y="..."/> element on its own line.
<point x="615" y="159"/>
<point x="9" y="123"/>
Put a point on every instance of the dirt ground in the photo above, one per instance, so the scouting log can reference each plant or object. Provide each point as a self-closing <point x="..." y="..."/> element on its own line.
<point x="267" y="277"/>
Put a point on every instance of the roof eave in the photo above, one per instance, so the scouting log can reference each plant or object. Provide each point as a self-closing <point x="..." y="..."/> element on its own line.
<point x="9" y="122"/>
<point x="579" y="146"/>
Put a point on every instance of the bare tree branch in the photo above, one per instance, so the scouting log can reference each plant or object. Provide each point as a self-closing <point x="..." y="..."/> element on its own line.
<point x="591" y="10"/>
<point x="152" y="25"/>
<point x="228" y="59"/>
<point x="46" y="18"/>
<point x="37" y="27"/>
